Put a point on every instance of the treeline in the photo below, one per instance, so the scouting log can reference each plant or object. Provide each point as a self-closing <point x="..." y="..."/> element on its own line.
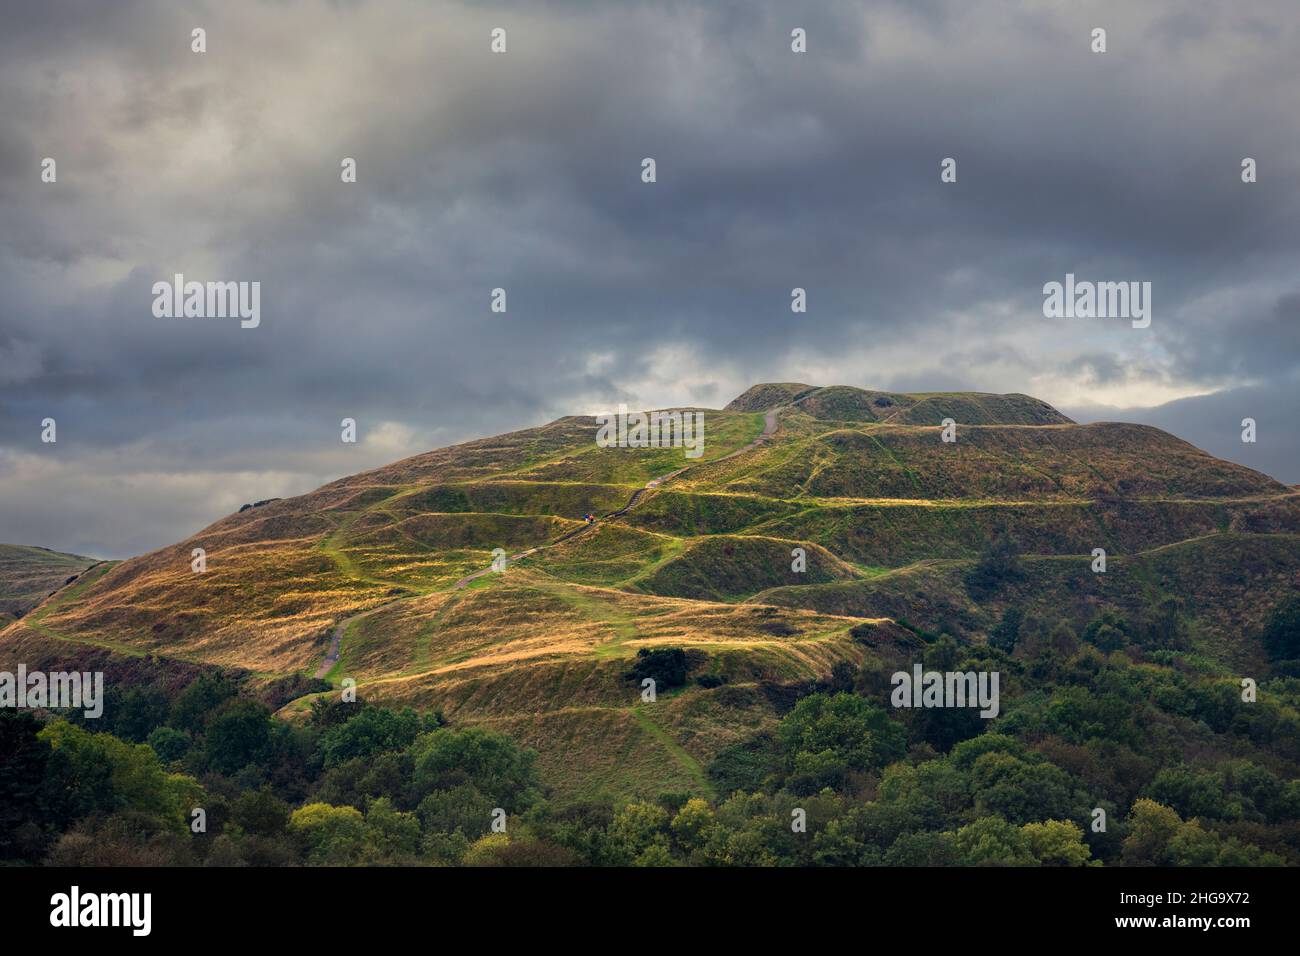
<point x="1112" y="748"/>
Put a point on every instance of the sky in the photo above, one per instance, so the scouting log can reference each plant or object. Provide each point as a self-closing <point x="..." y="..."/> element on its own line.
<point x="522" y="171"/>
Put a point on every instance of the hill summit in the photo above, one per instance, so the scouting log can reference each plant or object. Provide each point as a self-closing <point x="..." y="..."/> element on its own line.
<point x="846" y="403"/>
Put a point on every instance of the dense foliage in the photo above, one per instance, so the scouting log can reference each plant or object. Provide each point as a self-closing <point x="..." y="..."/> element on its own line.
<point x="1117" y="725"/>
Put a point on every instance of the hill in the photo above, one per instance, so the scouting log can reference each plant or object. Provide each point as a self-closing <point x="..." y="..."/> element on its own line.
<point x="379" y="576"/>
<point x="29" y="574"/>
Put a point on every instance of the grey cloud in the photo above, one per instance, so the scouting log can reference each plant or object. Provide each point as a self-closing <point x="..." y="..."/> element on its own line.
<point x="522" y="171"/>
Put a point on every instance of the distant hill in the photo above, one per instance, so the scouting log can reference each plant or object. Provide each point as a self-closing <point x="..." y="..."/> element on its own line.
<point x="29" y="574"/>
<point x="378" y="576"/>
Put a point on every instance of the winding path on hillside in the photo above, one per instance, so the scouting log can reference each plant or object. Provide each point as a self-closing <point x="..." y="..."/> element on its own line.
<point x="769" y="429"/>
<point x="770" y="424"/>
<point x="336" y="636"/>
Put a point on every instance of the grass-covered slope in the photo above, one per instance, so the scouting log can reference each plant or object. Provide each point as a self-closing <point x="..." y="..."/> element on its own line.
<point x="378" y="576"/>
<point x="28" y="575"/>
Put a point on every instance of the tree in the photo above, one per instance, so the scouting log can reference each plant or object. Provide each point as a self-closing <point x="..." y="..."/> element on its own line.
<point x="329" y="835"/>
<point x="1158" y="837"/>
<point x="942" y="654"/>
<point x="374" y="730"/>
<point x="514" y="851"/>
<point x="239" y="734"/>
<point x="1108" y="632"/>
<point x="992" y="841"/>
<point x="825" y="738"/>
<point x="1057" y="843"/>
<point x="944" y="727"/>
<point x="485" y="851"/>
<point x="354" y="782"/>
<point x="1151" y="827"/>
<point x="25" y="812"/>
<point x="199" y="700"/>
<point x="690" y="826"/>
<point x="923" y="849"/>
<point x="666" y="666"/>
<point x="1022" y="792"/>
<point x="103" y="775"/>
<point x="1006" y="632"/>
<point x="750" y="844"/>
<point x="137" y="713"/>
<point x="636" y="826"/>
<point x="836" y="844"/>
<point x="965" y="754"/>
<point x="998" y="566"/>
<point x="462" y="809"/>
<point x="491" y="762"/>
<point x="1267" y="794"/>
<point x="331" y="711"/>
<point x="1281" y="636"/>
<point x="169" y="743"/>
<point x="390" y="833"/>
<point x="126" y="838"/>
<point x="1193" y="793"/>
<point x="260" y="812"/>
<point x="941" y="783"/>
<point x="1193" y="845"/>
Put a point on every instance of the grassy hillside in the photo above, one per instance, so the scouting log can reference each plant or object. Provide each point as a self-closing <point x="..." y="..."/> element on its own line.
<point x="28" y="575"/>
<point x="379" y="577"/>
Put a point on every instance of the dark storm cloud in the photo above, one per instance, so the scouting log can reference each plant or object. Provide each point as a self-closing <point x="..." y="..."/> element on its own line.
<point x="775" y="170"/>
